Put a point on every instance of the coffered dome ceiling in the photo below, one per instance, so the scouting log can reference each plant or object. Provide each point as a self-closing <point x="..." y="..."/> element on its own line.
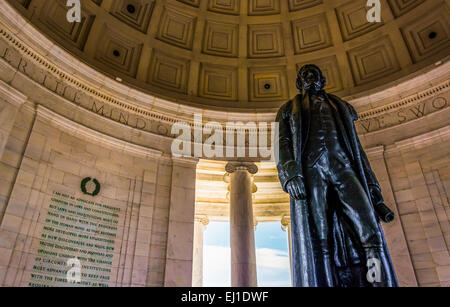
<point x="244" y="55"/>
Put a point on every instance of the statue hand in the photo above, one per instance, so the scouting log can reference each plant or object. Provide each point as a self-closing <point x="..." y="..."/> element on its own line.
<point x="296" y="188"/>
<point x="383" y="211"/>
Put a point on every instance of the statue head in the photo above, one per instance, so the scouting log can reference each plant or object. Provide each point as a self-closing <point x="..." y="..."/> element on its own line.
<point x="310" y="77"/>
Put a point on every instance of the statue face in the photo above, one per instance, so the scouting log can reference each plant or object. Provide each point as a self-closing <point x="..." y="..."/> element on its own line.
<point x="311" y="78"/>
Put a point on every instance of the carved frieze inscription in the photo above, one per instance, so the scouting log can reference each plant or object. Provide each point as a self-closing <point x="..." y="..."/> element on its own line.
<point x="402" y="115"/>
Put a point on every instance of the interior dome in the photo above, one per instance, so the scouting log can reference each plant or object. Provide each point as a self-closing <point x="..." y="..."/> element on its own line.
<point x="244" y="55"/>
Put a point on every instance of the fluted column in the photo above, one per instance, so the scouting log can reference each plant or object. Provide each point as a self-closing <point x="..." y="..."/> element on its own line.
<point x="197" y="267"/>
<point x="286" y="227"/>
<point x="243" y="253"/>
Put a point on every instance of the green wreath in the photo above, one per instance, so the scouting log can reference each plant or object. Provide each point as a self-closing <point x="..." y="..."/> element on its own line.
<point x="97" y="186"/>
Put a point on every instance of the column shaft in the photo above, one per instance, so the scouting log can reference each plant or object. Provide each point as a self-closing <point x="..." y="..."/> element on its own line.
<point x="286" y="226"/>
<point x="243" y="253"/>
<point x="197" y="266"/>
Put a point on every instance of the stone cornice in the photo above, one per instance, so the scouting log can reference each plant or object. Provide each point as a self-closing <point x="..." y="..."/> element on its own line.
<point x="75" y="129"/>
<point x="186" y="161"/>
<point x="11" y="95"/>
<point x="375" y="152"/>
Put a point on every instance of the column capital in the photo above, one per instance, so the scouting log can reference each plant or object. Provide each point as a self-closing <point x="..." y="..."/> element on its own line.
<point x="204" y="220"/>
<point x="285" y="222"/>
<point x="241" y="166"/>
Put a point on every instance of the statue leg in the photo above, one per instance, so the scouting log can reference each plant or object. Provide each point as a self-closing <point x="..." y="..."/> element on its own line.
<point x="358" y="210"/>
<point x="317" y="192"/>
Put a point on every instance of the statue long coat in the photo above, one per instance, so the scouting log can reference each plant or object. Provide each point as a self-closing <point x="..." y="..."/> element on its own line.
<point x="294" y="123"/>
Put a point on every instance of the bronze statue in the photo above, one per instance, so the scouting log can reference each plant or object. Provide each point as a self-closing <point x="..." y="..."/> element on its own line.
<point x="336" y="200"/>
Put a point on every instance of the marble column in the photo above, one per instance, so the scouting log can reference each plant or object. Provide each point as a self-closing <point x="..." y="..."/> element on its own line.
<point x="197" y="266"/>
<point x="286" y="227"/>
<point x="243" y="251"/>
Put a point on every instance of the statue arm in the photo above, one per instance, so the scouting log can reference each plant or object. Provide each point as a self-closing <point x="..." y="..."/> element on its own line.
<point x="372" y="181"/>
<point x="382" y="211"/>
<point x="371" y="178"/>
<point x="287" y="166"/>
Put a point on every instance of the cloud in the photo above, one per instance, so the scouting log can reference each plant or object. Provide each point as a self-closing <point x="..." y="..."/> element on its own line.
<point x="272" y="266"/>
<point x="272" y="258"/>
<point x="216" y="266"/>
